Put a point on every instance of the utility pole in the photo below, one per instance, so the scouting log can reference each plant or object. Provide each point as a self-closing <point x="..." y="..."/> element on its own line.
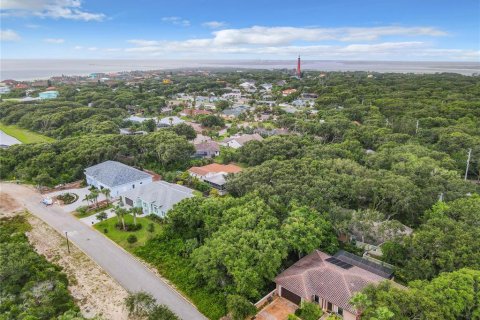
<point x="68" y="244"/>
<point x="468" y="163"/>
<point x="416" y="127"/>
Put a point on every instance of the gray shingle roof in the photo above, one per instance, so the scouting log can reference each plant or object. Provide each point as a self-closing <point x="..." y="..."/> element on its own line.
<point x="160" y="193"/>
<point x="113" y="173"/>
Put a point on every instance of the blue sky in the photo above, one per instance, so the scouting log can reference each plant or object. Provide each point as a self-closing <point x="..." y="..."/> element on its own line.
<point x="343" y="30"/>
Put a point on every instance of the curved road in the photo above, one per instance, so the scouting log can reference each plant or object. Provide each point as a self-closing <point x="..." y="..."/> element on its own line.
<point x="123" y="267"/>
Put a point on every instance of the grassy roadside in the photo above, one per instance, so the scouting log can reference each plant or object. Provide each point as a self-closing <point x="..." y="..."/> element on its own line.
<point x="167" y="255"/>
<point x="23" y="135"/>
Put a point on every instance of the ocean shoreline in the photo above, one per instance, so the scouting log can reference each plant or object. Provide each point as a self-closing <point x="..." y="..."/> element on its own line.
<point x="36" y="69"/>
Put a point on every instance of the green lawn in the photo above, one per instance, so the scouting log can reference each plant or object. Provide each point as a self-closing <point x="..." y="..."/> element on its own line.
<point x="92" y="212"/>
<point x="120" y="236"/>
<point x="23" y="135"/>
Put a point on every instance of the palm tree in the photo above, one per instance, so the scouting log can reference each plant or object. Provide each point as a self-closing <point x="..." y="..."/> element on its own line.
<point x="87" y="198"/>
<point x="121" y="212"/>
<point x="94" y="195"/>
<point x="360" y="302"/>
<point x="106" y="192"/>
<point x="134" y="211"/>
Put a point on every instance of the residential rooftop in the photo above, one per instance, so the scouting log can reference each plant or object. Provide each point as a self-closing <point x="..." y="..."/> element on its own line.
<point x="112" y="173"/>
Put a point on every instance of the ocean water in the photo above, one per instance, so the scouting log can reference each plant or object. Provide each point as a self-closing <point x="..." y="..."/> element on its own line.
<point x="45" y="68"/>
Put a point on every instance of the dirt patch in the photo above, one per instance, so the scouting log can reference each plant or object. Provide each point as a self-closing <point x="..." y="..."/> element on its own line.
<point x="8" y="205"/>
<point x="95" y="292"/>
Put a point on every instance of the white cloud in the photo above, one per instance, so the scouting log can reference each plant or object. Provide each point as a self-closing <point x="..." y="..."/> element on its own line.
<point x="92" y="48"/>
<point x="9" y="35"/>
<point x="259" y="35"/>
<point x="214" y="24"/>
<point x="177" y="21"/>
<point x="54" y="40"/>
<point x="32" y="26"/>
<point x="57" y="9"/>
<point x="78" y="47"/>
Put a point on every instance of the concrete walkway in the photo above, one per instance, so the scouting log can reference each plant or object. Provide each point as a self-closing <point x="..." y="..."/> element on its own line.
<point x="123" y="267"/>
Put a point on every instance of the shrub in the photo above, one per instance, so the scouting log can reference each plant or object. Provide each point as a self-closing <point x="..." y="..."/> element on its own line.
<point x="239" y="307"/>
<point x="132" y="239"/>
<point x="82" y="210"/>
<point x="105" y="230"/>
<point x="101" y="216"/>
<point x="128" y="226"/>
<point x="68" y="198"/>
<point x="163" y="313"/>
<point x="151" y="227"/>
<point x="309" y="311"/>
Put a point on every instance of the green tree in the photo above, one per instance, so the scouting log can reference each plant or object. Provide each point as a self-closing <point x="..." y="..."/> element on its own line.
<point x="121" y="213"/>
<point x="101" y="216"/>
<point x="360" y="302"/>
<point x="161" y="312"/>
<point x="239" y="307"/>
<point x="139" y="304"/>
<point x="134" y="212"/>
<point x="306" y="230"/>
<point x="309" y="311"/>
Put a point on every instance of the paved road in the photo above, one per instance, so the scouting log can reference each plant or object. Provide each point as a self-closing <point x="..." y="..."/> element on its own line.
<point x="130" y="273"/>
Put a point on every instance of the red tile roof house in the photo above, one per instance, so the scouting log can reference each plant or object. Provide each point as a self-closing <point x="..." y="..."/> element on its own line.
<point x="214" y="174"/>
<point x="194" y="112"/>
<point x="329" y="281"/>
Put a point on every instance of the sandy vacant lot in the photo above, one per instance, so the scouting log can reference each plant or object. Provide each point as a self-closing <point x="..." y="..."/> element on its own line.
<point x="95" y="292"/>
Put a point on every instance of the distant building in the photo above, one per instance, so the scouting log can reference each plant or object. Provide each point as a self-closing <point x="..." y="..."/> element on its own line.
<point x="4" y="89"/>
<point x="170" y="121"/>
<point x="194" y="112"/>
<point x="116" y="176"/>
<point x="234" y="111"/>
<point x="207" y="149"/>
<point x="138" y="119"/>
<point x="157" y="197"/>
<point x="21" y="86"/>
<point x="288" y="92"/>
<point x="214" y="174"/>
<point x="239" y="141"/>
<point x="48" y="94"/>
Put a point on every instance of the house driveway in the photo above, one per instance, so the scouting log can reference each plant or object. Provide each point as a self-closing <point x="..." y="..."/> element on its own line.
<point x="82" y="192"/>
<point x="130" y="273"/>
<point x="278" y="309"/>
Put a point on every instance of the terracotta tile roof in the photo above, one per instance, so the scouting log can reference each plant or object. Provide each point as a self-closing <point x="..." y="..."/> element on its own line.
<point x="195" y="112"/>
<point x="215" y="168"/>
<point x="312" y="275"/>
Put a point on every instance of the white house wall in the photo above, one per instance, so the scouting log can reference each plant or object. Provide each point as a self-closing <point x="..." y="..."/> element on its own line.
<point x="116" y="191"/>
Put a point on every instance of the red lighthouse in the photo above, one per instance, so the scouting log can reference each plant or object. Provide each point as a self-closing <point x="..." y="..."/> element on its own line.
<point x="299" y="71"/>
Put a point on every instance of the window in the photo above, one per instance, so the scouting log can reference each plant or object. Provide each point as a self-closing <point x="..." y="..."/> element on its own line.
<point x="329" y="306"/>
<point x="340" y="311"/>
<point x="316" y="299"/>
